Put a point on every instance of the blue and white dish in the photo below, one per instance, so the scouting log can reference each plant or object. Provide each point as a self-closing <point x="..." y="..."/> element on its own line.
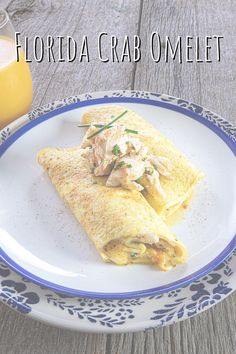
<point x="43" y="242"/>
<point x="110" y="315"/>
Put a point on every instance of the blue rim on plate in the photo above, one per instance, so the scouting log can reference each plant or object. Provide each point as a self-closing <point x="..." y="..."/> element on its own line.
<point x="147" y="292"/>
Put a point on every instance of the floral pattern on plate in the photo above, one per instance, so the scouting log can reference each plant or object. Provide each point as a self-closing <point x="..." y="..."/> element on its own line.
<point x="151" y="312"/>
<point x="106" y="315"/>
<point x="226" y="126"/>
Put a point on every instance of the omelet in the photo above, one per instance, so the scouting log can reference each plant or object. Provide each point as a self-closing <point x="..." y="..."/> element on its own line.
<point x="178" y="189"/>
<point x="120" y="222"/>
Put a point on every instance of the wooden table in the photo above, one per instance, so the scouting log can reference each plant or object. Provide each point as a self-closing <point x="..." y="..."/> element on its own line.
<point x="212" y="85"/>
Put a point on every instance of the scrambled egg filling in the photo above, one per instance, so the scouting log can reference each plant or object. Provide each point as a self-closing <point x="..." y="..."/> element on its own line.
<point x="124" y="159"/>
<point x="162" y="254"/>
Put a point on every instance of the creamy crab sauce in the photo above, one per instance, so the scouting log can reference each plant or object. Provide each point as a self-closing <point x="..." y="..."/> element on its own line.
<point x="124" y="159"/>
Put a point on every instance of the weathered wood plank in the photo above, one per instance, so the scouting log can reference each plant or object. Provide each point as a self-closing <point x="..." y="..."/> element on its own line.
<point x="210" y="332"/>
<point x="212" y="85"/>
<point x="209" y="84"/>
<point x="76" y="18"/>
<point x="5" y="3"/>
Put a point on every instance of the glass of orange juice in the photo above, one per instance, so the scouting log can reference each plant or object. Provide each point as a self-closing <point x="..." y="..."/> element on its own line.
<point x="15" y="77"/>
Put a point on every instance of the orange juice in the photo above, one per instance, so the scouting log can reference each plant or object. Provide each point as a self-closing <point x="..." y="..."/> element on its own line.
<point x="15" y="83"/>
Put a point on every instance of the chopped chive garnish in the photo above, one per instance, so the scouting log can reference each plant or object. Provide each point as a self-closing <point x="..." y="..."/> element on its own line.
<point x="116" y="150"/>
<point x="133" y="254"/>
<point x="119" y="165"/>
<point x="149" y="170"/>
<point x="155" y="166"/>
<point x="122" y="164"/>
<point x="107" y="125"/>
<point x="131" y="131"/>
<point x="90" y="125"/>
<point x="102" y="125"/>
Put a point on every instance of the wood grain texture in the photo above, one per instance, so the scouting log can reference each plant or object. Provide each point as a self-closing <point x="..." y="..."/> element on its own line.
<point x="211" y="332"/>
<point x="5" y="3"/>
<point x="76" y="18"/>
<point x="212" y="85"/>
<point x="208" y="84"/>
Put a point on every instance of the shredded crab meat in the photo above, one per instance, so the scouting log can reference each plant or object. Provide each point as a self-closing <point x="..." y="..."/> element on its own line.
<point x="154" y="179"/>
<point x="126" y="171"/>
<point x="124" y="159"/>
<point x="162" y="164"/>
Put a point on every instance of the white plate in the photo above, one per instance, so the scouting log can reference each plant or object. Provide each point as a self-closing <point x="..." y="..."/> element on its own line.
<point x="41" y="239"/>
<point x="112" y="316"/>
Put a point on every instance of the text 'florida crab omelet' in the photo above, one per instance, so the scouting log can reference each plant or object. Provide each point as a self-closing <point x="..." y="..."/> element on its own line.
<point x="121" y="183"/>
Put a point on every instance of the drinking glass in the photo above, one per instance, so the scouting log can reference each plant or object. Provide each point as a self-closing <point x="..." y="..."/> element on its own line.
<point x="15" y="77"/>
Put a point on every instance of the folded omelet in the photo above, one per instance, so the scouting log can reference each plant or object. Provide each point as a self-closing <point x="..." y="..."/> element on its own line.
<point x="120" y="222"/>
<point x="185" y="176"/>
